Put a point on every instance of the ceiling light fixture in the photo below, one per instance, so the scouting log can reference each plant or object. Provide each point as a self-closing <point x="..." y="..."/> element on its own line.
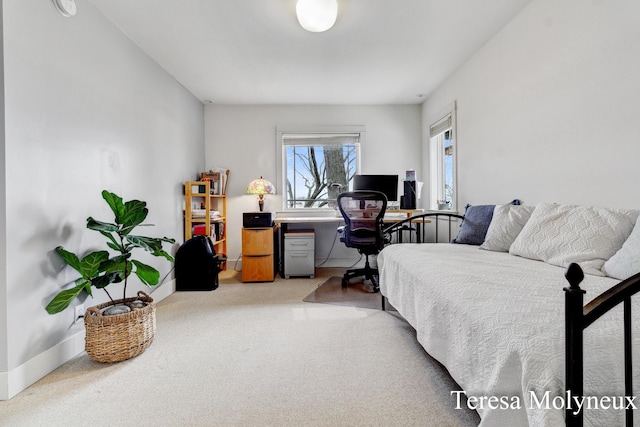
<point x="317" y="15"/>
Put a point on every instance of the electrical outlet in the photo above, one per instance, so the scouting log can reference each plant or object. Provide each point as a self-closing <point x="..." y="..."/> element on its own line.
<point x="79" y="313"/>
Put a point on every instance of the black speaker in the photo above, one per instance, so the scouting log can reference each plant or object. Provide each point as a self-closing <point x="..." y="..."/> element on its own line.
<point x="408" y="201"/>
<point x="197" y="265"/>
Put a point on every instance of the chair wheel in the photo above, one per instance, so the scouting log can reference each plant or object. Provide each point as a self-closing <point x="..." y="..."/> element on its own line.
<point x="344" y="282"/>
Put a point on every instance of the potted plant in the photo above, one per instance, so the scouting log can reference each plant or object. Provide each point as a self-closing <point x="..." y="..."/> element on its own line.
<point x="108" y="325"/>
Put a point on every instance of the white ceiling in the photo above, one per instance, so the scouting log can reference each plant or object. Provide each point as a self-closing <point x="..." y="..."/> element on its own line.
<point x="255" y="52"/>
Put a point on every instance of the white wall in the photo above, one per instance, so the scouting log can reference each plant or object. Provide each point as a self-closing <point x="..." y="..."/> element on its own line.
<point x="243" y="139"/>
<point x="547" y="110"/>
<point x="86" y="110"/>
<point x="3" y="224"/>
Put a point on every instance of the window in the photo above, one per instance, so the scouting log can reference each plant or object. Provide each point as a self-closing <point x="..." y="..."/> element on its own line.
<point x="443" y="162"/>
<point x="316" y="167"/>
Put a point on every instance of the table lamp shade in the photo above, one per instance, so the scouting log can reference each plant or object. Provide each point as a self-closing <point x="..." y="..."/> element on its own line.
<point x="261" y="187"/>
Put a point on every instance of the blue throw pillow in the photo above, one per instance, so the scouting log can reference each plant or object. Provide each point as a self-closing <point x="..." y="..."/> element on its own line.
<point x="476" y="222"/>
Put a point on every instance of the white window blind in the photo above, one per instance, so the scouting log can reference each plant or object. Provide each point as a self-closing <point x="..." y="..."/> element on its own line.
<point x="320" y="139"/>
<point x="440" y="126"/>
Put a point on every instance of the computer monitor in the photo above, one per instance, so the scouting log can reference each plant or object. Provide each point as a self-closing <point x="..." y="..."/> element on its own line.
<point x="387" y="184"/>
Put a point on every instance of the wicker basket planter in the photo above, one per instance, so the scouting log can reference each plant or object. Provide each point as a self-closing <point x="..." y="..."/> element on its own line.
<point x="120" y="337"/>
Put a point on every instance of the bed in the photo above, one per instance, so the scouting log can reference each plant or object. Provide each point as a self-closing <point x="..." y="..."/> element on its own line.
<point x="497" y="322"/>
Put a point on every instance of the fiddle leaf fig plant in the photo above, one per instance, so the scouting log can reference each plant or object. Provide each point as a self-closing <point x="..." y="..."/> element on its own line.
<point x="99" y="269"/>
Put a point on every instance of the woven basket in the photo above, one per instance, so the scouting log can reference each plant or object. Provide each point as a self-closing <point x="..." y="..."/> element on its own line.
<point x="119" y="337"/>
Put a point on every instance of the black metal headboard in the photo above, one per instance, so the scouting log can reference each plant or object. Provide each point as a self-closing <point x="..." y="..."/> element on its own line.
<point x="434" y="227"/>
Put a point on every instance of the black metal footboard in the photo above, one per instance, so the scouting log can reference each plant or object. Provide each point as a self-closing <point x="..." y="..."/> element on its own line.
<point x="434" y="227"/>
<point x="578" y="318"/>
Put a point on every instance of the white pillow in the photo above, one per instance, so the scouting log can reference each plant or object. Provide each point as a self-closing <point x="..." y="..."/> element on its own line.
<point x="626" y="262"/>
<point x="506" y="224"/>
<point x="562" y="234"/>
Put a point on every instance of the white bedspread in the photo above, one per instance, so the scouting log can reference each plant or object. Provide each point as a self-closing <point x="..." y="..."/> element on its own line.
<point x="496" y="322"/>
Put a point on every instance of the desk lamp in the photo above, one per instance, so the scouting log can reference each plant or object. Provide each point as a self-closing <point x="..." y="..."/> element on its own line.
<point x="261" y="187"/>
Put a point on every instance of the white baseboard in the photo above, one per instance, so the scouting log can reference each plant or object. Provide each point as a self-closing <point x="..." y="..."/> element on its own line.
<point x="166" y="289"/>
<point x="18" y="379"/>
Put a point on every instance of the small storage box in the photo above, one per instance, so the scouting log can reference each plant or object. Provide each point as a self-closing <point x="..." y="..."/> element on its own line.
<point x="299" y="253"/>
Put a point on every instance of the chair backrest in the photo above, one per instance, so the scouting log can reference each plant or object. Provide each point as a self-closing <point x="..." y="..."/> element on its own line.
<point x="363" y="212"/>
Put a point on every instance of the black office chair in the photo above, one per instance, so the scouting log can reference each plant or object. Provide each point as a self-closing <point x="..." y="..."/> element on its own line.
<point x="362" y="212"/>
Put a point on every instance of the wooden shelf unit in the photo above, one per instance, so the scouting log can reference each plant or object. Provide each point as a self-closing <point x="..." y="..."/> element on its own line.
<point x="199" y="193"/>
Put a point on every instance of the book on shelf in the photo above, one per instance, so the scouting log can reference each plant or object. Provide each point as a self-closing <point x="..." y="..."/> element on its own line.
<point x="201" y="213"/>
<point x="217" y="230"/>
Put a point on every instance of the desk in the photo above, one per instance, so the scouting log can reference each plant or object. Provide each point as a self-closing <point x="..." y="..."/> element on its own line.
<point x="391" y="216"/>
<point x="283" y="226"/>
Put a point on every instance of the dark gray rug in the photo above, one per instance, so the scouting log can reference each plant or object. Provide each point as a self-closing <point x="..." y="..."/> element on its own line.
<point x="355" y="295"/>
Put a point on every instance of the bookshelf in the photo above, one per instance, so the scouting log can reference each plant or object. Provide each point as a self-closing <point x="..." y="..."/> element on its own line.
<point x="205" y="213"/>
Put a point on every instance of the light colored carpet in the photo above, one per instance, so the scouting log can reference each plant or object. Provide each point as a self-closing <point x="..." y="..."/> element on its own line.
<point x="253" y="354"/>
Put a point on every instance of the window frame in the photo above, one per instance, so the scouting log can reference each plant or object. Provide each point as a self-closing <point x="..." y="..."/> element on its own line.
<point x="309" y="132"/>
<point x="437" y="127"/>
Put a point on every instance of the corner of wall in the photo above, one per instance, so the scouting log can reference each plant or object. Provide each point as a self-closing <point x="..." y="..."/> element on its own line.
<point x="4" y="351"/>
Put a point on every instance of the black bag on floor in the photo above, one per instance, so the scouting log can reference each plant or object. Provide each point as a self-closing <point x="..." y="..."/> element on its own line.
<point x="197" y="265"/>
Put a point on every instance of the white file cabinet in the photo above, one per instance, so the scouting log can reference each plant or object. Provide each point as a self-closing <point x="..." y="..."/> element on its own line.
<point x="299" y="253"/>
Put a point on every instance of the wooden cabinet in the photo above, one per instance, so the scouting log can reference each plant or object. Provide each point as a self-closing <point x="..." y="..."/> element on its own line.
<point x="258" y="254"/>
<point x="205" y="214"/>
